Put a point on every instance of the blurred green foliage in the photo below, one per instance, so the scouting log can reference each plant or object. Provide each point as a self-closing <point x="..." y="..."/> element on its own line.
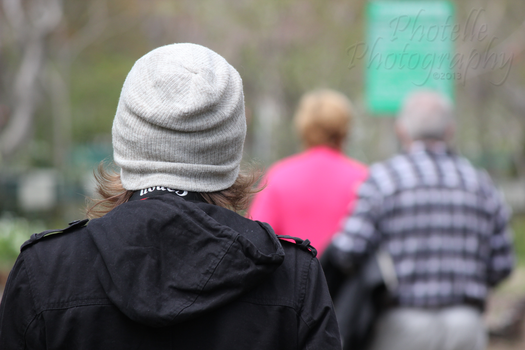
<point x="14" y="231"/>
<point x="95" y="90"/>
<point x="518" y="226"/>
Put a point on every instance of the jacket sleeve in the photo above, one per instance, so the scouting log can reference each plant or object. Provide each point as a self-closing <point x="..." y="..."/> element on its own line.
<point x="318" y="328"/>
<point x="17" y="309"/>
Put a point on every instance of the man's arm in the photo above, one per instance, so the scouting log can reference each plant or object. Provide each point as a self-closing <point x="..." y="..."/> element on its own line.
<point x="501" y="260"/>
<point x="359" y="235"/>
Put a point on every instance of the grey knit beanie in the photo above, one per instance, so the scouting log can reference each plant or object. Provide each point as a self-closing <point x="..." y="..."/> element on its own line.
<point x="180" y="121"/>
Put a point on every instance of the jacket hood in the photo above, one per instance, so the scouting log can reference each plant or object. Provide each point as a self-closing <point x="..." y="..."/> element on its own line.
<point x="166" y="259"/>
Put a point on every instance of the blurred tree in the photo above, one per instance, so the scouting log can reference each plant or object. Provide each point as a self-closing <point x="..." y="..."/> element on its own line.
<point x="29" y="24"/>
<point x="41" y="41"/>
<point x="492" y="115"/>
<point x="281" y="48"/>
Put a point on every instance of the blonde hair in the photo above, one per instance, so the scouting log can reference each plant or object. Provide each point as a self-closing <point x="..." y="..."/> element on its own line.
<point x="112" y="193"/>
<point x="323" y="117"/>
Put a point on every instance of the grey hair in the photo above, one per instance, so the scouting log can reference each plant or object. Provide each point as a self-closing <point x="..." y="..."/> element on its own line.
<point x="426" y="115"/>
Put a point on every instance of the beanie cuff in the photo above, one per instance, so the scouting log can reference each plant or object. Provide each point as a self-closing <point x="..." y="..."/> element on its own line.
<point x="212" y="180"/>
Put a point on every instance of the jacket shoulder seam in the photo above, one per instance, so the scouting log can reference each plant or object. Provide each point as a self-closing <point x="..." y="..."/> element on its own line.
<point x="304" y="286"/>
<point x="30" y="277"/>
<point x="27" y="329"/>
<point x="30" y="281"/>
<point x="304" y="282"/>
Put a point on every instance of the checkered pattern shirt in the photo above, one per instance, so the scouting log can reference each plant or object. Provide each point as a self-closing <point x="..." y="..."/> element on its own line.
<point x="442" y="221"/>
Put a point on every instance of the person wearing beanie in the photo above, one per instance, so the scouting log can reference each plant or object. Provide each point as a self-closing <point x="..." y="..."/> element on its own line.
<point x="307" y="195"/>
<point x="165" y="261"/>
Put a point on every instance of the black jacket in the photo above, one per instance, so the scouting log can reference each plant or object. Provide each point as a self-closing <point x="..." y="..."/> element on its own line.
<point x="359" y="295"/>
<point x="166" y="273"/>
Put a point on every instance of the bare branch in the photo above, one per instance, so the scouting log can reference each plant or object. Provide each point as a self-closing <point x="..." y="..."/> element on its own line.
<point x="45" y="15"/>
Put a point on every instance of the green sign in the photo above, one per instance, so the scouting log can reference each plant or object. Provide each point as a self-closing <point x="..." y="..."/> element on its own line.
<point x="409" y="46"/>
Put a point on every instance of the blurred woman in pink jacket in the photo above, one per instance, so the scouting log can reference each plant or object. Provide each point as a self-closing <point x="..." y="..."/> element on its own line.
<point x="307" y="194"/>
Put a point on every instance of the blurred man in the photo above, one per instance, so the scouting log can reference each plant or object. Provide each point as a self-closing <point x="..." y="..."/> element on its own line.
<point x="307" y="194"/>
<point x="445" y="227"/>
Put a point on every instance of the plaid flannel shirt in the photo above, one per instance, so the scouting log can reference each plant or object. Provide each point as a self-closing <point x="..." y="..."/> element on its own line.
<point x="442" y="221"/>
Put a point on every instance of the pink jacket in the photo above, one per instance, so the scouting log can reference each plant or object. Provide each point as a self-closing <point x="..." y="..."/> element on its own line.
<point x="308" y="194"/>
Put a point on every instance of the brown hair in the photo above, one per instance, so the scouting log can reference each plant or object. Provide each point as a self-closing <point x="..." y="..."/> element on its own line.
<point x="109" y="188"/>
<point x="323" y="117"/>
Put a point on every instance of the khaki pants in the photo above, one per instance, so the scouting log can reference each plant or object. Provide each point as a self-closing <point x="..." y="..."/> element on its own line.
<point x="451" y="328"/>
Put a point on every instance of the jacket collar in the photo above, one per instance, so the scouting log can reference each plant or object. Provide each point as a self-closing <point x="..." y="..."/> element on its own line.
<point x="436" y="147"/>
<point x="162" y="190"/>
